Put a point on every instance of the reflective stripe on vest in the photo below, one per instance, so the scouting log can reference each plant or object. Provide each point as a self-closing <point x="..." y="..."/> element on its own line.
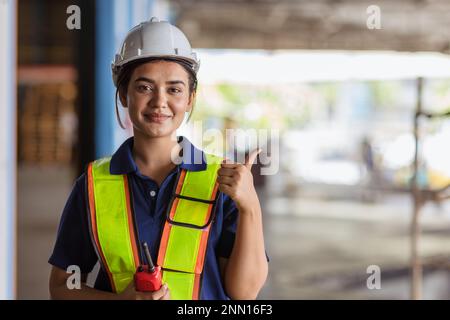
<point x="112" y="224"/>
<point x="185" y="234"/>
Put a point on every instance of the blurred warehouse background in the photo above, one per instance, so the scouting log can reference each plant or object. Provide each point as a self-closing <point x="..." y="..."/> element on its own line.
<point x="361" y="111"/>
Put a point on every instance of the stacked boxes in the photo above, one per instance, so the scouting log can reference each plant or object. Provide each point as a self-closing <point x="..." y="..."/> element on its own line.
<point x="47" y="123"/>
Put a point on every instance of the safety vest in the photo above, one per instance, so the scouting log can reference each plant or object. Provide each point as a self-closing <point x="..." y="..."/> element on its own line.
<point x="184" y="237"/>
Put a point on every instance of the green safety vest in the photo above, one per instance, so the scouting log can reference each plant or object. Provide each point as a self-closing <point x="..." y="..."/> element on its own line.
<point x="185" y="234"/>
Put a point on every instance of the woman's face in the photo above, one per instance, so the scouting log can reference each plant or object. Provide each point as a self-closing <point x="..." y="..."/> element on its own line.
<point x="158" y="97"/>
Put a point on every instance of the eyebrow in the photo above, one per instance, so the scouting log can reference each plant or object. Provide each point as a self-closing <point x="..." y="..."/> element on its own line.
<point x="153" y="81"/>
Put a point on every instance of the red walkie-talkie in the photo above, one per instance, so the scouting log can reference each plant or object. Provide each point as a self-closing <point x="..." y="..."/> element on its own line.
<point x="147" y="277"/>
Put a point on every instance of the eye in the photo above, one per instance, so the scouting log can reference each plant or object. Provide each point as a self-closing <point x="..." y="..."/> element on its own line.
<point x="143" y="88"/>
<point x="175" y="90"/>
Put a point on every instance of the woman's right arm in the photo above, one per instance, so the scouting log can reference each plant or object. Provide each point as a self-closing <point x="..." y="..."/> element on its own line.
<point x="60" y="291"/>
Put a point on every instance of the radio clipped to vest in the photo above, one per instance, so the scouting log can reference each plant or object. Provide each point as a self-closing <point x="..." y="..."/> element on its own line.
<point x="147" y="277"/>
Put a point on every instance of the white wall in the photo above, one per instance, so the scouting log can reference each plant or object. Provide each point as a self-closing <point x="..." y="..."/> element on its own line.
<point x="7" y="148"/>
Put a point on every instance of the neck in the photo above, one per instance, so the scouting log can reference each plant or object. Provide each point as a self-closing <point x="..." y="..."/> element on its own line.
<point x="154" y="152"/>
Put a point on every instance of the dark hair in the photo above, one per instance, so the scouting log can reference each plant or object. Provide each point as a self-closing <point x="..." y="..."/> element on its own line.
<point x="127" y="70"/>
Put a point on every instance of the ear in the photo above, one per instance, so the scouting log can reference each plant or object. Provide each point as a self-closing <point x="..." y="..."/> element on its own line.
<point x="123" y="97"/>
<point x="191" y="101"/>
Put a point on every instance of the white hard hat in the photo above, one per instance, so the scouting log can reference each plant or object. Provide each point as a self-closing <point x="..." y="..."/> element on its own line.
<point x="154" y="39"/>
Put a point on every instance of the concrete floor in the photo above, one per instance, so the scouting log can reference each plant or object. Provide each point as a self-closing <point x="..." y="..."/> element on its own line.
<point x="318" y="249"/>
<point x="42" y="193"/>
<point x="321" y="250"/>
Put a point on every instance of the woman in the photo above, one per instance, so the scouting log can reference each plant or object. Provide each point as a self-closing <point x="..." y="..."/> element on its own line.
<point x="200" y="217"/>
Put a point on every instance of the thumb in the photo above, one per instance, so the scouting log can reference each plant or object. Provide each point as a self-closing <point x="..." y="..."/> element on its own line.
<point x="251" y="158"/>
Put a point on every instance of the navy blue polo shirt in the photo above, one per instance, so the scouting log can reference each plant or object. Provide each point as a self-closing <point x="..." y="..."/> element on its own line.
<point x="74" y="247"/>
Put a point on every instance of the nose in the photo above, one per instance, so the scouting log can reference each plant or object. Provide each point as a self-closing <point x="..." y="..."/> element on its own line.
<point x="159" y="99"/>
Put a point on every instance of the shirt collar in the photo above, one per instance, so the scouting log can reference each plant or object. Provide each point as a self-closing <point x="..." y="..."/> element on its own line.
<point x="122" y="161"/>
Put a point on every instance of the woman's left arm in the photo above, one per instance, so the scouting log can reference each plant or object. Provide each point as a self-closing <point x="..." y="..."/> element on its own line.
<point x="247" y="268"/>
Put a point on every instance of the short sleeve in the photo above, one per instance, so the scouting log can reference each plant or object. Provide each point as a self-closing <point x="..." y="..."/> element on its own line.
<point x="73" y="245"/>
<point x="229" y="225"/>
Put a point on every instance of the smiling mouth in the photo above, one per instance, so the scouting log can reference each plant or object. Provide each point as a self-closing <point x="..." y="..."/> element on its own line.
<point x="156" y="118"/>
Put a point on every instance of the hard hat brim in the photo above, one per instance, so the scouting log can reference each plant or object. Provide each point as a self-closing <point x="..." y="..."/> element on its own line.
<point x="116" y="68"/>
